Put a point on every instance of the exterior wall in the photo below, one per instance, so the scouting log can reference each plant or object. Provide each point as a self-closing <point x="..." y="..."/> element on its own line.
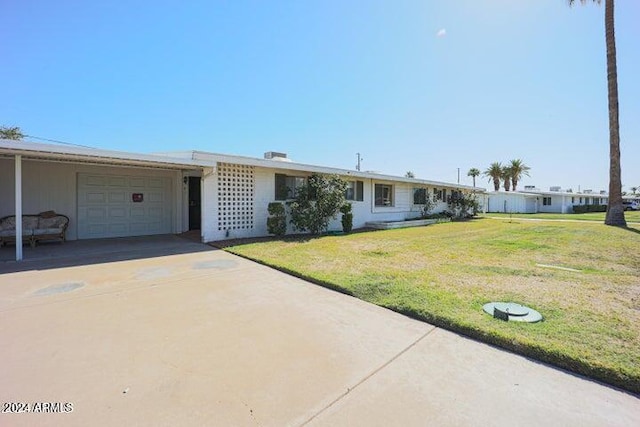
<point x="559" y="204"/>
<point x="507" y="202"/>
<point x="209" y="203"/>
<point x="53" y="186"/>
<point x="510" y="203"/>
<point x="264" y="193"/>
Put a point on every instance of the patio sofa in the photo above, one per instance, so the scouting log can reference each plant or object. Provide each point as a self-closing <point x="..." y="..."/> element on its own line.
<point x="43" y="226"/>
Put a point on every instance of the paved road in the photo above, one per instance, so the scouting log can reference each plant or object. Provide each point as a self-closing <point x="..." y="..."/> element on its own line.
<point x="206" y="338"/>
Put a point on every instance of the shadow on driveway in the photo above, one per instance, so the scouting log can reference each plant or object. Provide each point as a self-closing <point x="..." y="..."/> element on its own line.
<point x="51" y="255"/>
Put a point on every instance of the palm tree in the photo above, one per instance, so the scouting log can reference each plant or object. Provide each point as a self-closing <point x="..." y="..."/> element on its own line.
<point x="634" y="190"/>
<point x="518" y="169"/>
<point x="615" y="209"/>
<point x="409" y="174"/>
<point x="473" y="172"/>
<point x="507" y="175"/>
<point x="494" y="173"/>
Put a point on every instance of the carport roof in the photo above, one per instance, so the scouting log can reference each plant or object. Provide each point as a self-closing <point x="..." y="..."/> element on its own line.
<point x="38" y="151"/>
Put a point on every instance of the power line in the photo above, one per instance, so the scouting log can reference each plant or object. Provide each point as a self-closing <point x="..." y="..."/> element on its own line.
<point x="58" y="142"/>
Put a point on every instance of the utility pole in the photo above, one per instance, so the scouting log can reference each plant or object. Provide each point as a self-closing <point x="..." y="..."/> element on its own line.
<point x="458" y="175"/>
<point x="359" y="160"/>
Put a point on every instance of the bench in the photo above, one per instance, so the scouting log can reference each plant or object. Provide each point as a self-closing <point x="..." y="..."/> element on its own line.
<point x="43" y="226"/>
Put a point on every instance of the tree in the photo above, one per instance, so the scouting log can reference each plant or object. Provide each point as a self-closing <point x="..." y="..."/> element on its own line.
<point x="506" y="176"/>
<point x="409" y="174"/>
<point x="634" y="190"/>
<point x="518" y="169"/>
<point x="13" y="133"/>
<point x="473" y="173"/>
<point x="494" y="173"/>
<point x="317" y="202"/>
<point x="615" y="209"/>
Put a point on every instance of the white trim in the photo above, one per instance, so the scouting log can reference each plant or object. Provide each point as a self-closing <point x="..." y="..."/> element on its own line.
<point x="188" y="160"/>
<point x="18" y="207"/>
<point x="275" y="164"/>
<point x="50" y="151"/>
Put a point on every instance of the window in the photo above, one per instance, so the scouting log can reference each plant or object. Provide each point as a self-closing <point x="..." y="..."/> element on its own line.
<point x="455" y="196"/>
<point x="437" y="194"/>
<point x="573" y="200"/>
<point x="419" y="196"/>
<point x="580" y="200"/>
<point x="383" y="195"/>
<point x="546" y="201"/>
<point x="287" y="186"/>
<point x="355" y="191"/>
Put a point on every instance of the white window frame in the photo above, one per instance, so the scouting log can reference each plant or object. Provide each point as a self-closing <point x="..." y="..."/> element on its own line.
<point x="386" y="202"/>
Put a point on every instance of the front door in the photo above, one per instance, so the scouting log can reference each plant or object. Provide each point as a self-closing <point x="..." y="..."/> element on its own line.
<point x="194" y="203"/>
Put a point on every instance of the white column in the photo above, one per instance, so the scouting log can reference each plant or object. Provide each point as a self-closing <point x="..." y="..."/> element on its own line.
<point x="18" y="208"/>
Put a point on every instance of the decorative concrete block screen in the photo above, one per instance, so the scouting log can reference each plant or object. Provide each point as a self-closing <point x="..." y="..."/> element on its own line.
<point x="236" y="189"/>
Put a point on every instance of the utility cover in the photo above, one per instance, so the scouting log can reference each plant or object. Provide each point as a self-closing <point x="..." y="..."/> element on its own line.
<point x="513" y="312"/>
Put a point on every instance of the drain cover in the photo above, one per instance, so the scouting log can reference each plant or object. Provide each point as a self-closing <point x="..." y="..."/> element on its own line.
<point x="58" y="289"/>
<point x="510" y="311"/>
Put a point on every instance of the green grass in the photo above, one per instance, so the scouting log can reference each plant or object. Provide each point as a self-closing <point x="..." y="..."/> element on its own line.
<point x="444" y="273"/>
<point x="631" y="216"/>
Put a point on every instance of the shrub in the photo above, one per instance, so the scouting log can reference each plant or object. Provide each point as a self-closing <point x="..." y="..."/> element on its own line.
<point x="463" y="205"/>
<point x="277" y="222"/>
<point x="317" y="202"/>
<point x="589" y="208"/>
<point x="427" y="207"/>
<point x="347" y="218"/>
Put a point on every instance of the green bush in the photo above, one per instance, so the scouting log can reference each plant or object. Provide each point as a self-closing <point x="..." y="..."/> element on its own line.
<point x="277" y="222"/>
<point x="317" y="202"/>
<point x="589" y="208"/>
<point x="463" y="205"/>
<point x="347" y="218"/>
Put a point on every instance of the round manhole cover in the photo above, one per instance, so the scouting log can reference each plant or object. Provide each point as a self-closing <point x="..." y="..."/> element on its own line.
<point x="511" y="311"/>
<point x="511" y="308"/>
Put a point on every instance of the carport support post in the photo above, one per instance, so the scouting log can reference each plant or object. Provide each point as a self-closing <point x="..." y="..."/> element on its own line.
<point x="18" y="209"/>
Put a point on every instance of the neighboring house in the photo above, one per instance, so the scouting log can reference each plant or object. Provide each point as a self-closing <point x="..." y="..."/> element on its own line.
<point x="534" y="200"/>
<point x="116" y="194"/>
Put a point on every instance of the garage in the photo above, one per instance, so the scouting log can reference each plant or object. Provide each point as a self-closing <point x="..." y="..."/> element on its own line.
<point x="122" y="205"/>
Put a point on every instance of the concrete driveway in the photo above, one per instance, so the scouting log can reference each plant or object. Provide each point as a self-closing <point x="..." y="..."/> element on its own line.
<point x="202" y="337"/>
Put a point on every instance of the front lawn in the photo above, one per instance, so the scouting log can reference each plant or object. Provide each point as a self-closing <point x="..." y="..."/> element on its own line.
<point x="631" y="216"/>
<point x="444" y="274"/>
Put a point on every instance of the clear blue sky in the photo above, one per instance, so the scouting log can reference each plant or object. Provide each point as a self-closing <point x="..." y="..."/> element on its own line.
<point x="427" y="86"/>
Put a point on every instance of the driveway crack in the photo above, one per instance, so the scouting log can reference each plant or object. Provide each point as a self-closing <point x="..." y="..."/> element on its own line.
<point x="371" y="374"/>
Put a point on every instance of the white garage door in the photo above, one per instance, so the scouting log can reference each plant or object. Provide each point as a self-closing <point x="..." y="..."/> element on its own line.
<point x="119" y="205"/>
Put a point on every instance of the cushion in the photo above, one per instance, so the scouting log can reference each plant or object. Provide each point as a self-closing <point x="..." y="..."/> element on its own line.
<point x="53" y="222"/>
<point x="12" y="233"/>
<point x="47" y="214"/>
<point x="43" y="231"/>
<point x="29" y="222"/>
<point x="8" y="223"/>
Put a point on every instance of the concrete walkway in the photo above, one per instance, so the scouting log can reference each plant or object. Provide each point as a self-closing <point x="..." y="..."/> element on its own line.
<point x="518" y="218"/>
<point x="202" y="337"/>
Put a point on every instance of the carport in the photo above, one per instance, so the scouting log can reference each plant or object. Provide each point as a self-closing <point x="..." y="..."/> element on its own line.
<point x="105" y="193"/>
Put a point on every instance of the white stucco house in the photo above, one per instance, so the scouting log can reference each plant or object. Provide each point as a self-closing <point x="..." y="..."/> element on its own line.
<point x="118" y="194"/>
<point x="534" y="200"/>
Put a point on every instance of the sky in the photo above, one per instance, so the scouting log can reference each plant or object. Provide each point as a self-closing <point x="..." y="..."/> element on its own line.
<point x="431" y="86"/>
